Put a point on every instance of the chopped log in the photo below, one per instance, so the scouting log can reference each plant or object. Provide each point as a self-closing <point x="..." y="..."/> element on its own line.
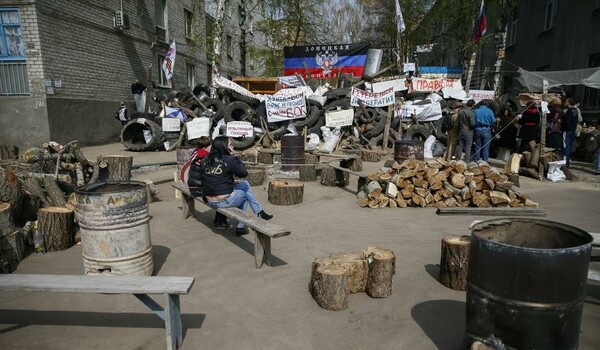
<point x="535" y="155"/>
<point x="504" y="186"/>
<point x="531" y="204"/>
<point x="407" y="173"/>
<point x="9" y="152"/>
<point x="264" y="157"/>
<point x="498" y="197"/>
<point x="468" y="176"/>
<point x="374" y="203"/>
<point x="308" y="173"/>
<point x="512" y="166"/>
<point x="115" y="167"/>
<point x="374" y="190"/>
<point x="356" y="268"/>
<point x="454" y="261"/>
<point x="248" y="156"/>
<point x="354" y="164"/>
<point x="10" y="189"/>
<point x="393" y="203"/>
<point x="402" y="203"/>
<point x="57" y="226"/>
<point x="454" y="190"/>
<point x="362" y="198"/>
<point x="568" y="173"/>
<point x="60" y="177"/>
<point x="490" y="184"/>
<point x="256" y="177"/>
<point x="460" y="166"/>
<point x="333" y="177"/>
<point x="55" y="195"/>
<point x="391" y="190"/>
<point x="310" y="158"/>
<point x="12" y="246"/>
<point x="382" y="267"/>
<point x="458" y="180"/>
<point x="370" y="156"/>
<point x="79" y="172"/>
<point x="330" y="287"/>
<point x="418" y="200"/>
<point x="285" y="193"/>
<point x="6" y="223"/>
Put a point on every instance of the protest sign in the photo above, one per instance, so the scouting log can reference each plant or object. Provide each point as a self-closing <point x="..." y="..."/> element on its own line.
<point x="198" y="127"/>
<point x="397" y="84"/>
<point x="171" y="124"/>
<point x="285" y="106"/>
<point x="422" y="84"/>
<point x="240" y="129"/>
<point x="339" y="118"/>
<point x="409" y="67"/>
<point x="290" y="82"/>
<point x="479" y="95"/>
<point x="228" y="84"/>
<point x="372" y="99"/>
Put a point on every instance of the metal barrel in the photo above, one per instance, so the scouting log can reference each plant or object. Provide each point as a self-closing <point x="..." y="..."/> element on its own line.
<point x="405" y="149"/>
<point x="526" y="283"/>
<point x="292" y="151"/>
<point x="115" y="228"/>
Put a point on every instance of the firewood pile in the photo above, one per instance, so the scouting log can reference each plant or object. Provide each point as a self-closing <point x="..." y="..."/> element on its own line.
<point x="439" y="183"/>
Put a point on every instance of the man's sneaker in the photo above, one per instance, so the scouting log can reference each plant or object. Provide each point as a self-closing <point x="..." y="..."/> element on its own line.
<point x="240" y="231"/>
<point x="223" y="225"/>
<point x="263" y="215"/>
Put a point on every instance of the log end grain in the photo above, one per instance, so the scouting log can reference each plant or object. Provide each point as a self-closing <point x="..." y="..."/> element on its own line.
<point x="330" y="287"/>
<point x="454" y="261"/>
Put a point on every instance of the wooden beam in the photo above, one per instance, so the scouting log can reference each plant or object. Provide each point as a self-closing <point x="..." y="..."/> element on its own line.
<point x="492" y="211"/>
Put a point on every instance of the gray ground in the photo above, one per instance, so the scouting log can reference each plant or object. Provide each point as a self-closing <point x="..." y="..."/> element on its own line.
<point x="235" y="306"/>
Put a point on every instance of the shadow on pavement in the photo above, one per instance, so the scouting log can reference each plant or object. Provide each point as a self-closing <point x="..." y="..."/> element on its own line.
<point x="433" y="270"/>
<point x="159" y="256"/>
<point x="443" y="321"/>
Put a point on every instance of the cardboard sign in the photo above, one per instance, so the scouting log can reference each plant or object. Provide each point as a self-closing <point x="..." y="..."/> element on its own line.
<point x="290" y="82"/>
<point x="171" y="124"/>
<point x="409" y="67"/>
<point x="339" y="118"/>
<point x="240" y="129"/>
<point x="397" y="84"/>
<point x="228" y="84"/>
<point x="479" y="95"/>
<point x="198" y="127"/>
<point x="421" y="84"/>
<point x="372" y="99"/>
<point x="285" y="106"/>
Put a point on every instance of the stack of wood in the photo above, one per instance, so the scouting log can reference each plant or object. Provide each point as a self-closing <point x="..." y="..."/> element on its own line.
<point x="334" y="277"/>
<point x="440" y="183"/>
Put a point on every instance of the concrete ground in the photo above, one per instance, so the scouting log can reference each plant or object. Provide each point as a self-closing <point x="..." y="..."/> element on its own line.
<point x="235" y="306"/>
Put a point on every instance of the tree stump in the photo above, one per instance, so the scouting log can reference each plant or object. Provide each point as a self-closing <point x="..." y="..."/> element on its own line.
<point x="331" y="177"/>
<point x="454" y="261"/>
<point x="370" y="156"/>
<point x="248" y="157"/>
<point x="356" y="267"/>
<point x="55" y="195"/>
<point x="57" y="225"/>
<point x="264" y="157"/>
<point x="310" y="158"/>
<point x="115" y="168"/>
<point x="10" y="189"/>
<point x="6" y="222"/>
<point x="382" y="267"/>
<point x="9" y="152"/>
<point x="329" y="286"/>
<point x="308" y="173"/>
<point x="354" y="164"/>
<point x="256" y="177"/>
<point x="285" y="193"/>
<point x="12" y="246"/>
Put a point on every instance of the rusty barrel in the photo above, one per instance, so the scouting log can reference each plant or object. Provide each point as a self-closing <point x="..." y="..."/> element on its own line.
<point x="292" y="151"/>
<point x="115" y="228"/>
<point x="405" y="149"/>
<point x="526" y="283"/>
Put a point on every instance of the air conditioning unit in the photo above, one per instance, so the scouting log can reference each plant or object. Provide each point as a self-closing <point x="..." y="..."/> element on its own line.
<point x="121" y="20"/>
<point x="161" y="34"/>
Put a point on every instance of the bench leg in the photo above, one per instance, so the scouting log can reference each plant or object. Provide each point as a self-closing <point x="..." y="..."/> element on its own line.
<point x="173" y="321"/>
<point x="188" y="205"/>
<point x="361" y="182"/>
<point x="262" y="249"/>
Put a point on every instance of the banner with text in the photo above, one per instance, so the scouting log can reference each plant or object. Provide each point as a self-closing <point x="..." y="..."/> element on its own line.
<point x="372" y="99"/>
<point x="240" y="129"/>
<point x="228" y="84"/>
<point x="339" y="118"/>
<point x="422" y="84"/>
<point x="198" y="127"/>
<point x="291" y="81"/>
<point x="479" y="95"/>
<point x="285" y="106"/>
<point x="323" y="61"/>
<point x="397" y="84"/>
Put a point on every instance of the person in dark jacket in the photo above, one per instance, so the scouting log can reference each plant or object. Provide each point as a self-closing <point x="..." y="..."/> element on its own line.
<point x="466" y="123"/>
<point x="554" y="126"/>
<point x="569" y="125"/>
<point x="529" y="121"/>
<point x="220" y="188"/>
<point x="194" y="180"/>
<point x="508" y="130"/>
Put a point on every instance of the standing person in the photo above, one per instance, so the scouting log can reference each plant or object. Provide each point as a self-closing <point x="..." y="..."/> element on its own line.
<point x="529" y="121"/>
<point x="508" y="130"/>
<point x="194" y="178"/>
<point x="121" y="114"/>
<point x="450" y="125"/>
<point x="554" y="119"/>
<point x="466" y="124"/>
<point x="569" y="126"/>
<point x="484" y="121"/>
<point x="220" y="188"/>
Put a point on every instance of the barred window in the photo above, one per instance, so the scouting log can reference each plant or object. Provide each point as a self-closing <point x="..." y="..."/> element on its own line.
<point x="13" y="69"/>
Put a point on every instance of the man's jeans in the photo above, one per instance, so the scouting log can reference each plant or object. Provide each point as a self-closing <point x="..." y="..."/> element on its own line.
<point x="464" y="141"/>
<point x="569" y="145"/>
<point x="245" y="186"/>
<point x="483" y="136"/>
<point x="239" y="198"/>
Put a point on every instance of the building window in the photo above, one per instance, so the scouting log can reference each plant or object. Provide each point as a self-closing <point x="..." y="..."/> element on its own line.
<point x="512" y="33"/>
<point x="591" y="97"/>
<point x="162" y="20"/>
<point x="13" y="69"/>
<point x="162" y="78"/>
<point x="228" y="47"/>
<point x="189" y="20"/>
<point x="550" y="14"/>
<point x="190" y="72"/>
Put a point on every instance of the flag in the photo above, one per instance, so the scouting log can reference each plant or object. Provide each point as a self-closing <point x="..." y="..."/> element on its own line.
<point x="323" y="61"/>
<point x="169" y="62"/>
<point x="480" y="26"/>
<point x="399" y="19"/>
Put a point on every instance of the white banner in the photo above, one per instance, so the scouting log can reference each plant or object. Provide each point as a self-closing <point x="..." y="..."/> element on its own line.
<point x="397" y="84"/>
<point x="479" y="95"/>
<point x="339" y="118"/>
<point x="409" y="67"/>
<point x="422" y="84"/>
<point x="285" y="106"/>
<point x="169" y="61"/>
<point x="424" y="113"/>
<point x="198" y="127"/>
<point x="372" y="99"/>
<point x="171" y="124"/>
<point x="290" y="81"/>
<point x="239" y="129"/>
<point x="228" y="84"/>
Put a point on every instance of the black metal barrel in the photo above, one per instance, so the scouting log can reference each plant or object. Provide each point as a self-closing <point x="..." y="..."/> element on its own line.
<point x="292" y="151"/>
<point x="526" y="283"/>
<point x="405" y="149"/>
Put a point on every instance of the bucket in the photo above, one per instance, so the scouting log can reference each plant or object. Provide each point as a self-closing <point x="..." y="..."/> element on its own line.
<point x="115" y="228"/>
<point x="292" y="151"/>
<point x="405" y="149"/>
<point x="526" y="283"/>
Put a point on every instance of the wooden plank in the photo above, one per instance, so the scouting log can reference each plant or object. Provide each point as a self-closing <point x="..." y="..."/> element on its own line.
<point x="352" y="172"/>
<point x="96" y="284"/>
<point x="492" y="211"/>
<point x="270" y="229"/>
<point x="173" y="321"/>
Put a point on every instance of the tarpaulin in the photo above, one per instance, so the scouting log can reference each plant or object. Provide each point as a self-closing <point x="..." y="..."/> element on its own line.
<point x="323" y="61"/>
<point x="532" y="81"/>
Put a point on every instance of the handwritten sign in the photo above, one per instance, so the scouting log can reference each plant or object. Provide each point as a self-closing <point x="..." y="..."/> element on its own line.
<point x="198" y="127"/>
<point x="240" y="129"/>
<point x="409" y="67"/>
<point x="372" y="99"/>
<point x="479" y="95"/>
<point x="422" y="84"/>
<point x="397" y="84"/>
<point x="285" y="106"/>
<point x="290" y="82"/>
<point x="339" y="118"/>
<point x="171" y="124"/>
<point x="228" y="84"/>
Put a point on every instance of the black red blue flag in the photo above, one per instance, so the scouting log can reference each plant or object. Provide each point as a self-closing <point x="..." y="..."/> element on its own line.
<point x="323" y="61"/>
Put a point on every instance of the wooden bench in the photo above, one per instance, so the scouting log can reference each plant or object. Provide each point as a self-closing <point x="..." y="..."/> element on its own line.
<point x="264" y="230"/>
<point x="139" y="286"/>
<point x="363" y="178"/>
